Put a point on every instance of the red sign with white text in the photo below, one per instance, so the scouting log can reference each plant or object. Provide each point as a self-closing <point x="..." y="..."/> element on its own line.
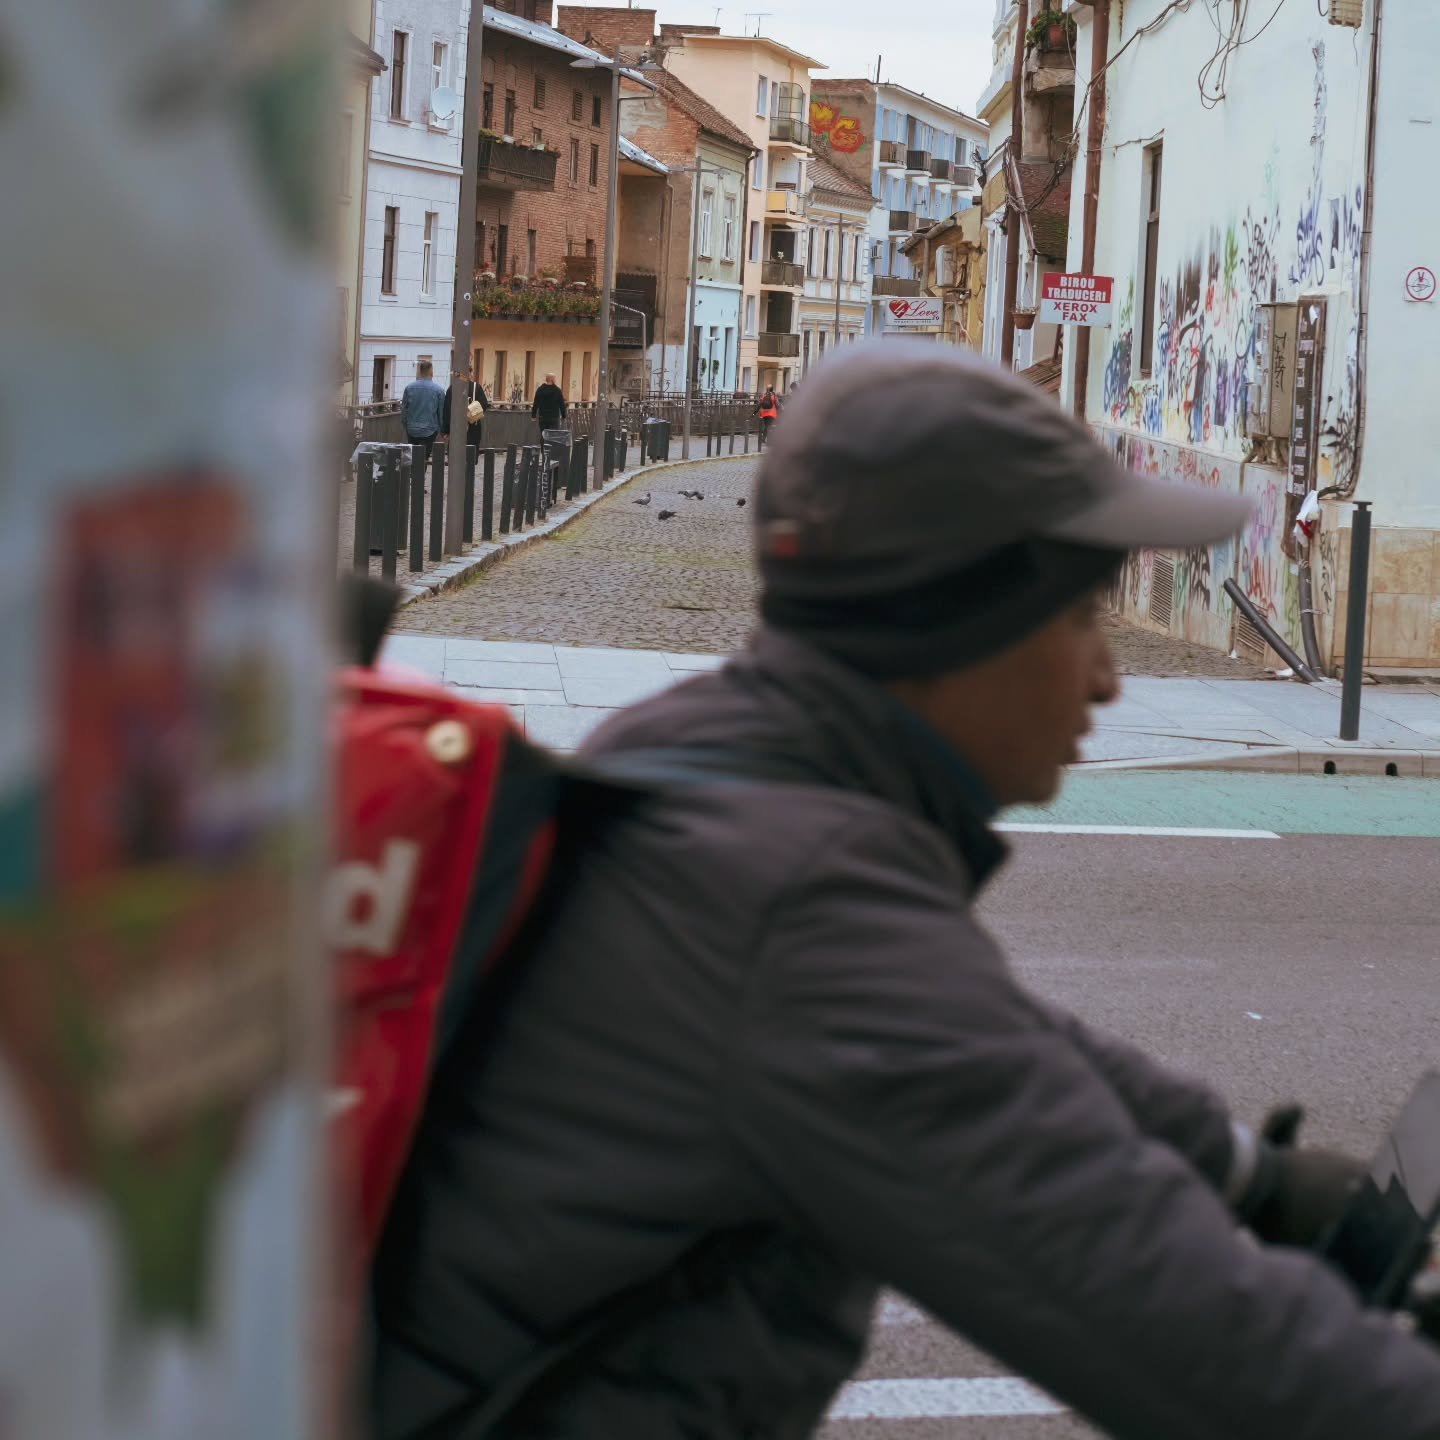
<point x="1075" y="299"/>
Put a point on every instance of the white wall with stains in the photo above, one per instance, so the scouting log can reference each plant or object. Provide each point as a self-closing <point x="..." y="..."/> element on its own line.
<point x="1261" y="199"/>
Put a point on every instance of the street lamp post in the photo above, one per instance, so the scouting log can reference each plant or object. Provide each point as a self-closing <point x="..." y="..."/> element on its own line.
<point x="602" y="400"/>
<point x="461" y="350"/>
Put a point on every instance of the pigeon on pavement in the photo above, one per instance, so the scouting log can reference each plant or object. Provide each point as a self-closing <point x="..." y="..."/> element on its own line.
<point x="665" y="515"/>
<point x="741" y="502"/>
<point x="645" y="501"/>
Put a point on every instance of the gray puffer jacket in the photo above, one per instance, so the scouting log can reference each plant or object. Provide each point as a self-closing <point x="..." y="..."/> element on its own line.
<point x="767" y="1009"/>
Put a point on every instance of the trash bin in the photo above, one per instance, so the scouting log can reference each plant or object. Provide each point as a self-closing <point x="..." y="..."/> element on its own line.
<point x="656" y="439"/>
<point x="555" y="448"/>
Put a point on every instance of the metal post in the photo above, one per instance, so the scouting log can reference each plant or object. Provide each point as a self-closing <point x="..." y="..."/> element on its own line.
<point x="364" y="483"/>
<point x="468" y="533"/>
<point x="1355" y="621"/>
<point x="460" y="352"/>
<point x="532" y="484"/>
<point x="690" y="309"/>
<point x="389" y="511"/>
<point x="582" y="462"/>
<point x="417" y="508"/>
<point x="437" y="503"/>
<point x="487" y="498"/>
<point x="608" y="258"/>
<point x="507" y="492"/>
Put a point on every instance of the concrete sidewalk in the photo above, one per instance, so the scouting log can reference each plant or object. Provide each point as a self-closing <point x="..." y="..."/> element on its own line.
<point x="560" y="693"/>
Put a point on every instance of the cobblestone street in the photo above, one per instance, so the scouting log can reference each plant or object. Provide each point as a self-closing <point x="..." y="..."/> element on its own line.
<point x="619" y="575"/>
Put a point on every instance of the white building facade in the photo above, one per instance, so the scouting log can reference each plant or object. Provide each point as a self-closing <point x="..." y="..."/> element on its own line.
<point x="1234" y="229"/>
<point x="412" y="195"/>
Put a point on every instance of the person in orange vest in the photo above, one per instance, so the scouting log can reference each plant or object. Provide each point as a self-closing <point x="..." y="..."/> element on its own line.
<point x="768" y="409"/>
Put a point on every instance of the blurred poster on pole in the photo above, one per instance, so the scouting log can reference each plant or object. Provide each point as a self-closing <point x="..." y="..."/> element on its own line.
<point x="167" y="351"/>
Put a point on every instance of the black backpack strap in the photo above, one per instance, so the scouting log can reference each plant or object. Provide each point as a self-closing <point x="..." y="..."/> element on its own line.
<point x="701" y="1272"/>
<point x="678" y="766"/>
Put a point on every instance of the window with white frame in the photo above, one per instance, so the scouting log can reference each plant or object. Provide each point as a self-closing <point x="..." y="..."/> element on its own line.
<point x="439" y="64"/>
<point x="762" y="96"/>
<point x="427" y="253"/>
<point x="757" y="171"/>
<point x="754" y="242"/>
<point x="399" y="55"/>
<point x="829" y="236"/>
<point x="707" y="220"/>
<point x="727" y="234"/>
<point x="750" y="309"/>
<point x="855" y="241"/>
<point x="812" y="251"/>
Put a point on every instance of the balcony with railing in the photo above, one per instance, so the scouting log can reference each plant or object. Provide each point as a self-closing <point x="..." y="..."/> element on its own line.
<point x="917" y="163"/>
<point x="790" y="130"/>
<point x="965" y="177"/>
<point x="779" y="345"/>
<point x="508" y="166"/>
<point x="789" y="116"/>
<point x="892" y="155"/>
<point x="893" y="285"/>
<point x="902" y="222"/>
<point x="784" y="206"/>
<point x="781" y="274"/>
<point x="940" y="169"/>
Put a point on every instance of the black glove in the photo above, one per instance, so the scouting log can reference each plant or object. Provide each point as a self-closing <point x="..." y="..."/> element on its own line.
<point x="1296" y="1195"/>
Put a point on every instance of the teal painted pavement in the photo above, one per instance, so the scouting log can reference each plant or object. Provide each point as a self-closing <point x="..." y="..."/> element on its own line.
<point x="1287" y="804"/>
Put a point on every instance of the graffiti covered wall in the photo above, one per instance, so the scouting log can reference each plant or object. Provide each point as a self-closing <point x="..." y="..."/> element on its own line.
<point x="1261" y="200"/>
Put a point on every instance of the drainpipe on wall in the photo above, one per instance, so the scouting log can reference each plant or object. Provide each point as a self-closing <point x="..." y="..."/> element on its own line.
<point x="1362" y="319"/>
<point x="1012" y="203"/>
<point x="1095" y="134"/>
<point x="1362" y="337"/>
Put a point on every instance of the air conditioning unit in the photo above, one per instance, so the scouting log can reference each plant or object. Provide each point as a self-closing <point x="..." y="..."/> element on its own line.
<point x="1270" y="400"/>
<point x="1347" y="12"/>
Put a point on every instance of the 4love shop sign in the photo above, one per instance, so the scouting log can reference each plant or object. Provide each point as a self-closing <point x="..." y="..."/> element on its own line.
<point x="1075" y="299"/>
<point x="919" y="312"/>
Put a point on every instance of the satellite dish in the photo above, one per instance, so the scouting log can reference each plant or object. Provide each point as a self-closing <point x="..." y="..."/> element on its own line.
<point x="444" y="102"/>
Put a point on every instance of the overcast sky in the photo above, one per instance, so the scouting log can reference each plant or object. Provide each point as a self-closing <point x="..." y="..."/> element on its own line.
<point x="940" y="47"/>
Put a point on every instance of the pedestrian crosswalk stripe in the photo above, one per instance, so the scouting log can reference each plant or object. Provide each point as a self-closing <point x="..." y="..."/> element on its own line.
<point x="1181" y="831"/>
<point x="993" y="1396"/>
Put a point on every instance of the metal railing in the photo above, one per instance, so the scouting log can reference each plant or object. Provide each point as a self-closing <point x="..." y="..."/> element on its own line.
<point x="892" y="152"/>
<point x="940" y="169"/>
<point x="917" y="162"/>
<point x="790" y="130"/>
<point x="779" y="344"/>
<point x="519" y="165"/>
<point x="893" y="285"/>
<point x="902" y="221"/>
<point x="781" y="272"/>
<point x="393" y="502"/>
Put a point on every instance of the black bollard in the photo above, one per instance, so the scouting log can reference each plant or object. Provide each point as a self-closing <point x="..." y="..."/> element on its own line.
<point x="507" y="491"/>
<point x="438" y="456"/>
<point x="487" y="498"/>
<point x="417" y="508"/>
<point x="364" y="482"/>
<point x="467" y="533"/>
<point x="390" y="468"/>
<point x="1354" y="675"/>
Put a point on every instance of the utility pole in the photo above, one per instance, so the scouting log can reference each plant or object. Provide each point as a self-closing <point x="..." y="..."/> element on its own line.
<point x="1012" y="183"/>
<point x="612" y="189"/>
<point x="461" y="351"/>
<point x="1095" y="135"/>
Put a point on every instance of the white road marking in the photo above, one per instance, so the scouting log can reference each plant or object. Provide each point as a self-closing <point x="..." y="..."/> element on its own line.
<point x="941" y="1399"/>
<point x="1180" y="831"/>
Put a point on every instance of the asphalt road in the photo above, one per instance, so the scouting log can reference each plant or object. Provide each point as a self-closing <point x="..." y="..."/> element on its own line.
<point x="1301" y="966"/>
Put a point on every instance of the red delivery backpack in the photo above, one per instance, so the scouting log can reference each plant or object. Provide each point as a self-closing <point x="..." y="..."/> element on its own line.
<point x="447" y="824"/>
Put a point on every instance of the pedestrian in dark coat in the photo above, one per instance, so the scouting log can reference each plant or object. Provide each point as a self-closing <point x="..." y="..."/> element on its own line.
<point x="474" y="393"/>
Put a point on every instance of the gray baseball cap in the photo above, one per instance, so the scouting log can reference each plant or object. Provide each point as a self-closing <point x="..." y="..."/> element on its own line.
<point x="919" y="506"/>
